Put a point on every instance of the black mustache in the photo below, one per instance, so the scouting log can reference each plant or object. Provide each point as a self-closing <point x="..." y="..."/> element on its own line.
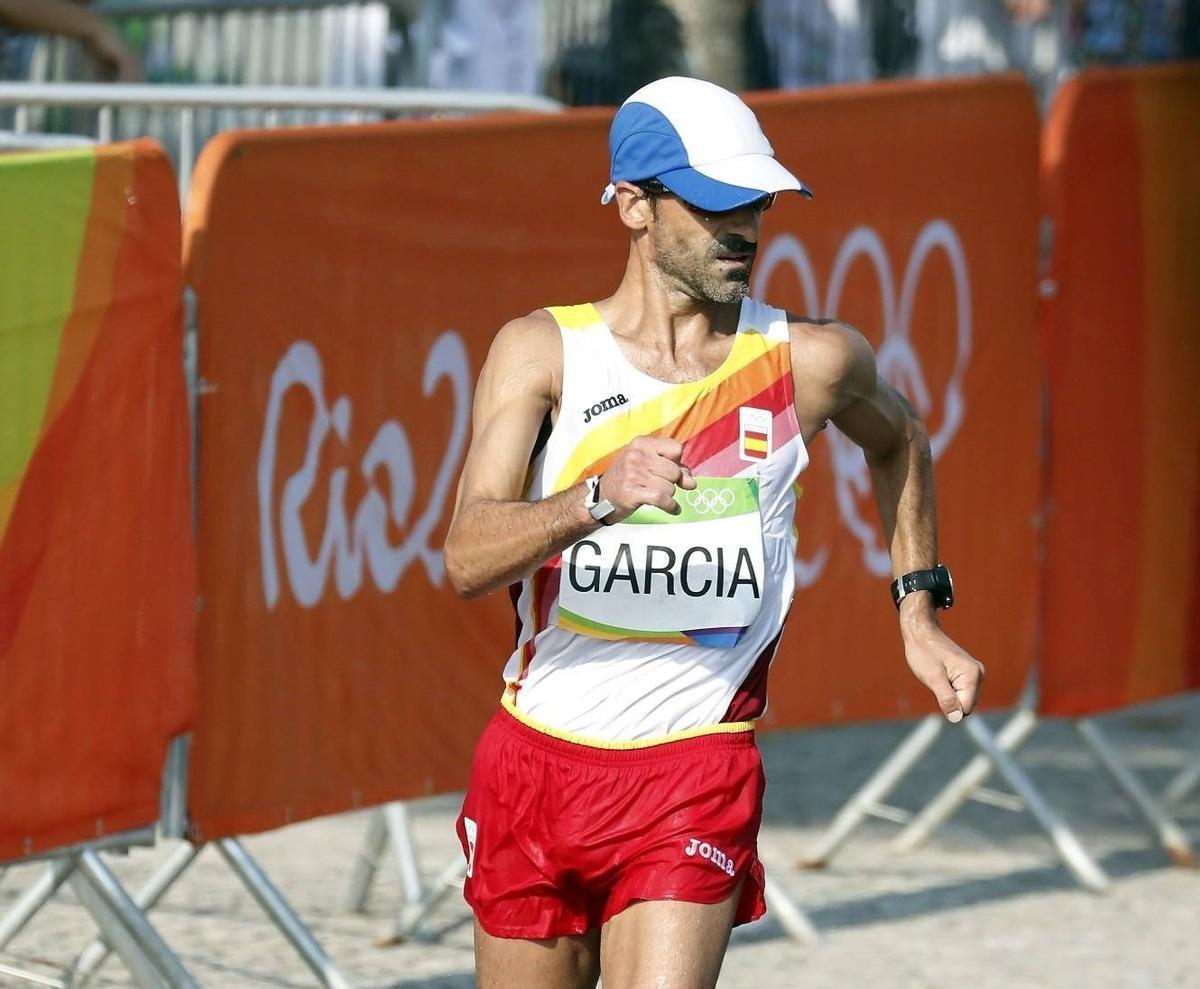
<point x="733" y="245"/>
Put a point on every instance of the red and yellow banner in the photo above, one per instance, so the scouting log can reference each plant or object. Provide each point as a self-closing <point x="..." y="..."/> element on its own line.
<point x="1122" y="185"/>
<point x="96" y="559"/>
<point x="350" y="282"/>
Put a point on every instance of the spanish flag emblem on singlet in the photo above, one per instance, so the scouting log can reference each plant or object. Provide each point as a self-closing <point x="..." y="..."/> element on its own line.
<point x="755" y="433"/>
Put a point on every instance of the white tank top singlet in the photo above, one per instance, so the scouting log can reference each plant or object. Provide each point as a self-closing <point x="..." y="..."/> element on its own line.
<point x="663" y="627"/>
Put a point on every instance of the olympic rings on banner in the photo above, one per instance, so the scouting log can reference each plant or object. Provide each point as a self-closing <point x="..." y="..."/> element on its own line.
<point x="898" y="360"/>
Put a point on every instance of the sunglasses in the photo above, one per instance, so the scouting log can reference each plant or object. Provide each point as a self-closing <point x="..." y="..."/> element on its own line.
<point x="652" y="187"/>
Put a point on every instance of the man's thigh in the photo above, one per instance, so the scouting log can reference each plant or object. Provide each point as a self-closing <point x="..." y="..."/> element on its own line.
<point x="553" y="963"/>
<point x="668" y="944"/>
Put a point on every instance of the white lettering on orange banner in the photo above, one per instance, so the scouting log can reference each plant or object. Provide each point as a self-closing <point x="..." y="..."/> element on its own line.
<point x="353" y="546"/>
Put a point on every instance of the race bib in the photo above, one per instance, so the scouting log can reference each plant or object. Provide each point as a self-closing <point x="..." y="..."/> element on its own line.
<point x="695" y="577"/>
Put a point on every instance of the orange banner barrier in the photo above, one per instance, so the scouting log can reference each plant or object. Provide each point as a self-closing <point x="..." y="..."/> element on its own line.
<point x="97" y="579"/>
<point x="1121" y="163"/>
<point x="349" y="283"/>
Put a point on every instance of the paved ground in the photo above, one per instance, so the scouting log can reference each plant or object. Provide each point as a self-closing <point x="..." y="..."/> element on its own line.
<point x="984" y="904"/>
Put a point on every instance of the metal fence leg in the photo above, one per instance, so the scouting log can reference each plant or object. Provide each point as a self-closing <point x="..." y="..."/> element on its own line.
<point x="788" y="915"/>
<point x="1073" y="854"/>
<point x="145" y="899"/>
<point x="935" y="813"/>
<point x="172" y="814"/>
<point x="34" y="898"/>
<point x="413" y="914"/>
<point x="1183" y="784"/>
<point x="94" y="882"/>
<point x="140" y="968"/>
<point x="280" y="911"/>
<point x="1170" y="835"/>
<point x="882" y="782"/>
<point x="366" y="863"/>
<point x="400" y="834"/>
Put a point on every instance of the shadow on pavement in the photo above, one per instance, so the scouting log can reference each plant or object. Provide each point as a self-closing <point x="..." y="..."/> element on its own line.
<point x="464" y="980"/>
<point x="885" y="907"/>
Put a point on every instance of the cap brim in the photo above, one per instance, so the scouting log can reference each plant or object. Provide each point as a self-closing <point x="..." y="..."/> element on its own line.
<point x="732" y="183"/>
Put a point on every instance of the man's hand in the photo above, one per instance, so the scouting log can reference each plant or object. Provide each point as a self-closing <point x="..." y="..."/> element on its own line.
<point x="73" y="20"/>
<point x="946" y="669"/>
<point x="646" y="473"/>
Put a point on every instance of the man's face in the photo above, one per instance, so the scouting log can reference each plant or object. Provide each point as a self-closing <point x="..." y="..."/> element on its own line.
<point x="709" y="256"/>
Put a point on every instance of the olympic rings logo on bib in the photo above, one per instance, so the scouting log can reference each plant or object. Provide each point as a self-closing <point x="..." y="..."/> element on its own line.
<point x="710" y="501"/>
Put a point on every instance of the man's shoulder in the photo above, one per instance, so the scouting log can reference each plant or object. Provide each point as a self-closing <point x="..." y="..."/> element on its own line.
<point x="527" y="350"/>
<point x="536" y="333"/>
<point x="829" y="336"/>
<point x="828" y="354"/>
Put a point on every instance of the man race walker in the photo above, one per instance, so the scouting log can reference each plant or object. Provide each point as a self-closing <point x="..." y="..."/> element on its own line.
<point x="631" y="478"/>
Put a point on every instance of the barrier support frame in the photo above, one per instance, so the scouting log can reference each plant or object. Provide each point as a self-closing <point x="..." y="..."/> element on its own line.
<point x="146" y="899"/>
<point x="967" y="784"/>
<point x="149" y="960"/>
<point x="994" y="754"/>
<point x="1164" y="827"/>
<point x="389" y="825"/>
<point x="133" y="936"/>
<point x="257" y="882"/>
<point x="1183" y="784"/>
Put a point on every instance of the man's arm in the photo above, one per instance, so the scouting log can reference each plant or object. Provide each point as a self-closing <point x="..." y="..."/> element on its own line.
<point x="496" y="536"/>
<point x="896" y="446"/>
<point x="72" y="20"/>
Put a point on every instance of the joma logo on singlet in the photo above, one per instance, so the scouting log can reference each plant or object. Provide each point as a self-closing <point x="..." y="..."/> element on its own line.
<point x="607" y="405"/>
<point x="714" y="855"/>
<point x="664" y="562"/>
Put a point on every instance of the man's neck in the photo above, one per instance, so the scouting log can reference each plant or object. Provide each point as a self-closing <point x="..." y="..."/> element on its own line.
<point x="663" y="318"/>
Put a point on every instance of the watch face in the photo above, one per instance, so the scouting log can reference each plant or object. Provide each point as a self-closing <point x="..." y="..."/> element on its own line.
<point x="945" y="583"/>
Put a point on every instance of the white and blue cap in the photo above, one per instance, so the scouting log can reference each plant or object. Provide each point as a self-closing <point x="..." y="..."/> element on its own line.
<point x="698" y="140"/>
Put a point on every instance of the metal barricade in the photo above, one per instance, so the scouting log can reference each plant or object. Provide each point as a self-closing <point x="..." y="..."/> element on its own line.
<point x="594" y="51"/>
<point x="247" y="43"/>
<point x="179" y="108"/>
<point x="320" y="43"/>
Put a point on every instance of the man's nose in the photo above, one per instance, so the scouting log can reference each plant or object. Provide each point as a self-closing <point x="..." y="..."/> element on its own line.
<point x="743" y="222"/>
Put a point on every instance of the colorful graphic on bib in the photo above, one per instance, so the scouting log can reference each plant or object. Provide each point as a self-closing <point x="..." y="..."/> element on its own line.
<point x="695" y="577"/>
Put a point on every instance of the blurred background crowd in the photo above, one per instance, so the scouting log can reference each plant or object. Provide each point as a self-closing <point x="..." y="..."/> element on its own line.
<point x="581" y="51"/>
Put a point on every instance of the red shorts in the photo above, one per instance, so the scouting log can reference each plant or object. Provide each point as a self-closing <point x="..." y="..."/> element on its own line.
<point x="560" y="837"/>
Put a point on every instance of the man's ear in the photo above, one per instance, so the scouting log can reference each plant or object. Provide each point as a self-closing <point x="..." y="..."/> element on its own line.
<point x="633" y="206"/>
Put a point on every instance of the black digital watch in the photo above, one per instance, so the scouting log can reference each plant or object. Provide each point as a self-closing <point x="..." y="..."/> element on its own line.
<point x="938" y="581"/>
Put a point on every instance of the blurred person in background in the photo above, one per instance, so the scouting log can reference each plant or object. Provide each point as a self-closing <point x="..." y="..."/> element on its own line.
<point x="20" y="19"/>
<point x="812" y="42"/>
<point x="642" y="41"/>
<point x="817" y="42"/>
<point x="970" y="37"/>
<point x="714" y="38"/>
<point x="966" y="37"/>
<point x="487" y="45"/>
<point x="1121" y="32"/>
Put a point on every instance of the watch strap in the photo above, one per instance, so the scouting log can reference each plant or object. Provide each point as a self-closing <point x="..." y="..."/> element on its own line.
<point x="599" y="508"/>
<point x="936" y="580"/>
